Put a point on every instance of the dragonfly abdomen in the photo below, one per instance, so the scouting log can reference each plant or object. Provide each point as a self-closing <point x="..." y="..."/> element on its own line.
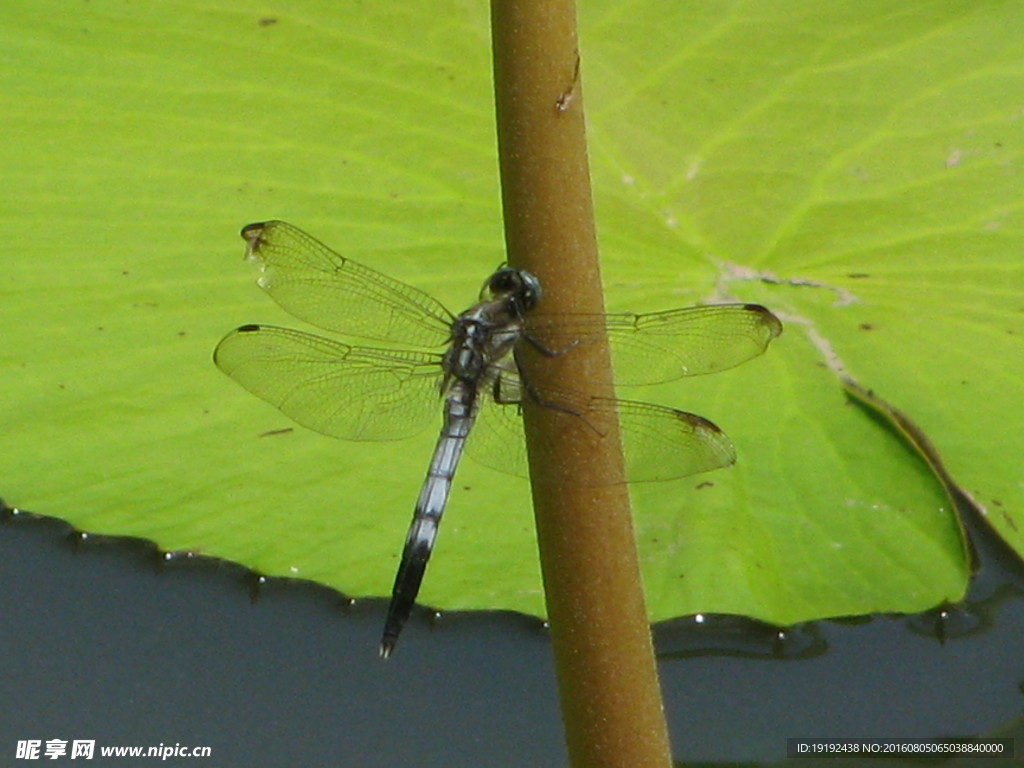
<point x="459" y="412"/>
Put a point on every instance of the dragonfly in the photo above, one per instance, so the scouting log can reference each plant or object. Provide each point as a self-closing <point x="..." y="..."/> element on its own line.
<point x="468" y="367"/>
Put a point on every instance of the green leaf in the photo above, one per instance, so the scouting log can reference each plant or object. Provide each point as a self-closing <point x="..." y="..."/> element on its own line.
<point x="853" y="165"/>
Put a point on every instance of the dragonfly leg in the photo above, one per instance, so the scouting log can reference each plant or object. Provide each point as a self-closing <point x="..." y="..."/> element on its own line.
<point x="538" y="397"/>
<point x="546" y="350"/>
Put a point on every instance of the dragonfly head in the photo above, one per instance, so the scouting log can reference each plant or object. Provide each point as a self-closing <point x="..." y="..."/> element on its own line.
<point x="516" y="286"/>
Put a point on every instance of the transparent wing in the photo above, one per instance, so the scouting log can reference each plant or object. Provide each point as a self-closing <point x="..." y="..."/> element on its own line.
<point x="662" y="346"/>
<point x="355" y="393"/>
<point x="317" y="285"/>
<point x="658" y="443"/>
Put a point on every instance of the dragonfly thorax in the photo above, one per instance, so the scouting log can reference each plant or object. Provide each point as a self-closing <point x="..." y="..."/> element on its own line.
<point x="486" y="332"/>
<point x="478" y="341"/>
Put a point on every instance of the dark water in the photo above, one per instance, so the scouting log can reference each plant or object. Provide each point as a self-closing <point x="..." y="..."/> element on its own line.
<point x="103" y="640"/>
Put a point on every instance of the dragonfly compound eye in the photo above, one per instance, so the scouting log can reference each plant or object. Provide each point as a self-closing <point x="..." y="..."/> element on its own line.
<point x="506" y="280"/>
<point x="516" y="284"/>
<point x="529" y="290"/>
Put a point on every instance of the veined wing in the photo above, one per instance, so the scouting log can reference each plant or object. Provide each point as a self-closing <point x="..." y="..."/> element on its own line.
<point x="662" y="346"/>
<point x="317" y="285"/>
<point x="658" y="443"/>
<point x="354" y="393"/>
